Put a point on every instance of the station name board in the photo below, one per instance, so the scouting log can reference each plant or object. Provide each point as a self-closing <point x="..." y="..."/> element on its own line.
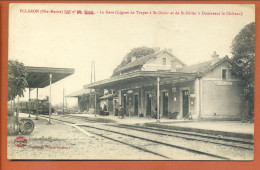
<point x="223" y="83"/>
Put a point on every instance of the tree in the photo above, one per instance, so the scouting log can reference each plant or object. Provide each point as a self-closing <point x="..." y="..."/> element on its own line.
<point x="135" y="52"/>
<point x="243" y="50"/>
<point x="16" y="79"/>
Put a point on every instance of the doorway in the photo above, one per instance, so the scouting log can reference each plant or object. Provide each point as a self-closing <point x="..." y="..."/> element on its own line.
<point x="135" y="105"/>
<point x="148" y="104"/>
<point x="165" y="104"/>
<point x="185" y="103"/>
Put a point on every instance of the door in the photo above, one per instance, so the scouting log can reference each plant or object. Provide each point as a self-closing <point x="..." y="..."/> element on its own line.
<point x="165" y="104"/>
<point x="136" y="105"/>
<point x="185" y="105"/>
<point x="148" y="104"/>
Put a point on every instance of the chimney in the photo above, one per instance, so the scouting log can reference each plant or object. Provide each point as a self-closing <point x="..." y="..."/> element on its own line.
<point x="133" y="58"/>
<point x="173" y="65"/>
<point x="214" y="58"/>
<point x="169" y="50"/>
<point x="156" y="49"/>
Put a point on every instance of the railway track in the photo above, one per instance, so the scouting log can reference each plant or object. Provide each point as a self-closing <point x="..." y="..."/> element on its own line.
<point x="231" y="142"/>
<point x="136" y="137"/>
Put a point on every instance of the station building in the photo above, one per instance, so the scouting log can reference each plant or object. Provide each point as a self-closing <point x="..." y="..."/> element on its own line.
<point x="161" y="82"/>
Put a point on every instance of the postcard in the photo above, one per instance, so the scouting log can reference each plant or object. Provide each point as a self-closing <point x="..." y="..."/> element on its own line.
<point x="93" y="81"/>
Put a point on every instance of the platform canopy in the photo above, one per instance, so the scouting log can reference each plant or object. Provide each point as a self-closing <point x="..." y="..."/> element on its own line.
<point x="140" y="78"/>
<point x="39" y="77"/>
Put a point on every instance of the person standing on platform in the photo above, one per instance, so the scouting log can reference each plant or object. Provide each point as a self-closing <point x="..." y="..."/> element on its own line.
<point x="105" y="108"/>
<point x="121" y="112"/>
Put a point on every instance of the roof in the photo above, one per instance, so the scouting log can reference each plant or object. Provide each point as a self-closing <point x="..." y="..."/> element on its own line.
<point x="139" y="77"/>
<point x="203" y="67"/>
<point x="195" y="68"/>
<point x="142" y="60"/>
<point x="39" y="77"/>
<point x="79" y="93"/>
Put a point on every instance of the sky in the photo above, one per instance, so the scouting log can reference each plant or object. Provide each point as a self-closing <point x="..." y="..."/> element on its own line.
<point x="74" y="40"/>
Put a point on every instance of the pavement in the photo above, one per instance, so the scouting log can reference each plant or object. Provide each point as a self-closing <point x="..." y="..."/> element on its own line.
<point x="219" y="128"/>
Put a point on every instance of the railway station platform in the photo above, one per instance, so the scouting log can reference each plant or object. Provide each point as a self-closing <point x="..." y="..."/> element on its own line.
<point x="217" y="128"/>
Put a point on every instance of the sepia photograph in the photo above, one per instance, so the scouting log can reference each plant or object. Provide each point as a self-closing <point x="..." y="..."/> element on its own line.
<point x="95" y="81"/>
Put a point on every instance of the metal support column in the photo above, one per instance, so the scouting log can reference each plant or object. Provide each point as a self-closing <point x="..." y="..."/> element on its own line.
<point x="89" y="100"/>
<point x="50" y="100"/>
<point x="142" y="98"/>
<point x="95" y="103"/>
<point x="119" y="102"/>
<point x="11" y="104"/>
<point x="17" y="110"/>
<point x="200" y="98"/>
<point x="29" y="102"/>
<point x="37" y="104"/>
<point x="63" y="103"/>
<point x="158" y="99"/>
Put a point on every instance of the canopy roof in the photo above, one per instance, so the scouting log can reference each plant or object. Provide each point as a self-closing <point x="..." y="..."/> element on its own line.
<point x="107" y="96"/>
<point x="140" y="78"/>
<point x="39" y="76"/>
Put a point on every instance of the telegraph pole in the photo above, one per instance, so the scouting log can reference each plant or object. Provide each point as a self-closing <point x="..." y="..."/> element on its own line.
<point x="95" y="89"/>
<point x="90" y="82"/>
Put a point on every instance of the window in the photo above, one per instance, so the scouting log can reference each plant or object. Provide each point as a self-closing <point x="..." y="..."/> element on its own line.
<point x="224" y="74"/>
<point x="164" y="61"/>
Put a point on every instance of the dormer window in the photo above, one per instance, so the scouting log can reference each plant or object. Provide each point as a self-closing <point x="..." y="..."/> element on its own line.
<point x="224" y="74"/>
<point x="164" y="61"/>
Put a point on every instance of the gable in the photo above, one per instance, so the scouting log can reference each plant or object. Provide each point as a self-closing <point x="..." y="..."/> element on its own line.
<point x="216" y="72"/>
<point x="162" y="61"/>
<point x="140" y="62"/>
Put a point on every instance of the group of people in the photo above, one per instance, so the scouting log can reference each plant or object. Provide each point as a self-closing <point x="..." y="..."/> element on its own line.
<point x="120" y="110"/>
<point x="103" y="111"/>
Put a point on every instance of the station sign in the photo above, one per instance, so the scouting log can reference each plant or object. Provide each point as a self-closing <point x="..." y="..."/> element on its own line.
<point x="223" y="83"/>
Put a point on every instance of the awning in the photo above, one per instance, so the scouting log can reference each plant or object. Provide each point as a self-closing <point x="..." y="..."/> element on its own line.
<point x="140" y="78"/>
<point x="39" y="76"/>
<point x="108" y="96"/>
